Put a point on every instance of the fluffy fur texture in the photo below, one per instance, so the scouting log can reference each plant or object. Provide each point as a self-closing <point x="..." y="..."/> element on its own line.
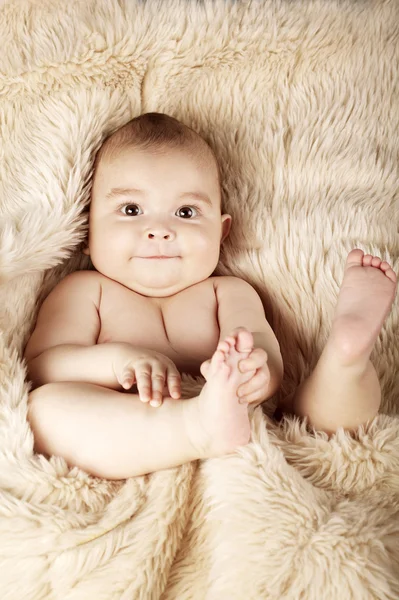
<point x="300" y="101"/>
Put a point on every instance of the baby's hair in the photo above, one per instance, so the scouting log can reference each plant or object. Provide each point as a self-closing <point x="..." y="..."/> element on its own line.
<point x="156" y="132"/>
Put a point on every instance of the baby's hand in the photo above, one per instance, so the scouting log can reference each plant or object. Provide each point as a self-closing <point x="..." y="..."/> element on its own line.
<point x="150" y="370"/>
<point x="256" y="389"/>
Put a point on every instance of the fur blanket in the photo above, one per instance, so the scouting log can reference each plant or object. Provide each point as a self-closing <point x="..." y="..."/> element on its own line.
<point x="301" y="102"/>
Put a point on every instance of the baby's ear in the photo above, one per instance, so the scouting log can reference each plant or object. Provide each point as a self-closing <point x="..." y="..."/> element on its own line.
<point x="86" y="251"/>
<point x="226" y="225"/>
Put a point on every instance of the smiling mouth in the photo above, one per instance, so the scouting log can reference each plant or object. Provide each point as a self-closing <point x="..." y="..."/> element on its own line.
<point x="158" y="257"/>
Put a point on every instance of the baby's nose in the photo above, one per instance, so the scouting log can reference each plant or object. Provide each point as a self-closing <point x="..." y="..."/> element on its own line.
<point x="160" y="233"/>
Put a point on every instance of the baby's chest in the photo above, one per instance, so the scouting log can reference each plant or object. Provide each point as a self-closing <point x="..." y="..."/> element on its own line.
<point x="183" y="327"/>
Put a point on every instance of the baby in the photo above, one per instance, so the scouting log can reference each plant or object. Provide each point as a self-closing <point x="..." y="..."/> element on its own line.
<point x="153" y="309"/>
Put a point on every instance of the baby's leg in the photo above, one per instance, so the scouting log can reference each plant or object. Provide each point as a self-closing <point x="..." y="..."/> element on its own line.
<point x="343" y="390"/>
<point x="114" y="435"/>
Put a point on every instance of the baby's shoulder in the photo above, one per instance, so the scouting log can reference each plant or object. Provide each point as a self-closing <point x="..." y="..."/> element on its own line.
<point x="229" y="289"/>
<point x="83" y="277"/>
<point x="230" y="283"/>
<point x="82" y="284"/>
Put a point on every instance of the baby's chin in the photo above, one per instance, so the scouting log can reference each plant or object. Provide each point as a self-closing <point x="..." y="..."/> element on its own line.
<point x="158" y="281"/>
<point x="158" y="289"/>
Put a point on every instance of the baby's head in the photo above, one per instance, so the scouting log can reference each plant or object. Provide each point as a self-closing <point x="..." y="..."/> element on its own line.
<point x="156" y="192"/>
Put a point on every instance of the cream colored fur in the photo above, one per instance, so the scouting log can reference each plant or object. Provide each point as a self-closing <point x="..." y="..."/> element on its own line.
<point x="301" y="102"/>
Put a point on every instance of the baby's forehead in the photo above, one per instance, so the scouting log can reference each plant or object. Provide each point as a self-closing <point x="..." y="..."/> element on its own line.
<point x="106" y="166"/>
<point x="116" y="171"/>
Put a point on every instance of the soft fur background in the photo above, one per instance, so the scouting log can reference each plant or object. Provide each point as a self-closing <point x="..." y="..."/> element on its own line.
<point x="300" y="101"/>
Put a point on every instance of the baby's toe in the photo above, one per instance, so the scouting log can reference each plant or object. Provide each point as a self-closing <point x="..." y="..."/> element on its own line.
<point x="354" y="258"/>
<point x="218" y="358"/>
<point x="376" y="261"/>
<point x="224" y="346"/>
<point x="390" y="273"/>
<point x="384" y="266"/>
<point x="245" y="341"/>
<point x="367" y="258"/>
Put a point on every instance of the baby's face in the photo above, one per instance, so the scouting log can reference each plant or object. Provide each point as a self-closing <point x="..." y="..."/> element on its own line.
<point x="145" y="206"/>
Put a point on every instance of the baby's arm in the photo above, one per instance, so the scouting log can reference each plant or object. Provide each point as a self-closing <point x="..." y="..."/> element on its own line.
<point x="239" y="305"/>
<point x="63" y="346"/>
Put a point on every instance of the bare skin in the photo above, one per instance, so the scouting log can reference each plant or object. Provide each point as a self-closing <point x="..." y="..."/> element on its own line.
<point x="343" y="390"/>
<point x="365" y="300"/>
<point x="152" y="310"/>
<point x="120" y="436"/>
<point x="220" y="427"/>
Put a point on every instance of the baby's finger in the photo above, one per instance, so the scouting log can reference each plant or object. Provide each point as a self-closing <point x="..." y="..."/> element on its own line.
<point x="158" y="380"/>
<point x="256" y="359"/>
<point x="259" y="381"/>
<point x="249" y="364"/>
<point x="127" y="380"/>
<point x="143" y="378"/>
<point x="246" y="389"/>
<point x="174" y="383"/>
<point x="251" y="398"/>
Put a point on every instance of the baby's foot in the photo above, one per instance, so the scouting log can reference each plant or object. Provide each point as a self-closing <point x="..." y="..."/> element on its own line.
<point x="242" y="340"/>
<point x="217" y="422"/>
<point x="364" y="301"/>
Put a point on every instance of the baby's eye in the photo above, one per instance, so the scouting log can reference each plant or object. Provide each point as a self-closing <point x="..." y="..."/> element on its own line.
<point x="186" y="212"/>
<point x="131" y="209"/>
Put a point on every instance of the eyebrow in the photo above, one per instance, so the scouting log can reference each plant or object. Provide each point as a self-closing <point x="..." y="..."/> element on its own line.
<point x="117" y="192"/>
